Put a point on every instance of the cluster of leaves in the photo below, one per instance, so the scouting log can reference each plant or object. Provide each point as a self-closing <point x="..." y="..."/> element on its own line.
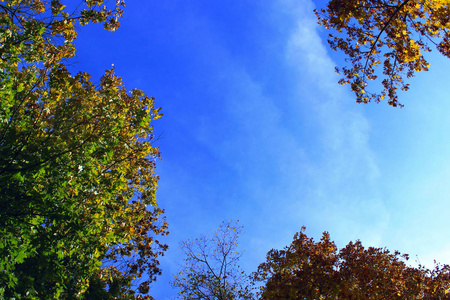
<point x="316" y="270"/>
<point x="211" y="269"/>
<point x="392" y="34"/>
<point x="78" y="216"/>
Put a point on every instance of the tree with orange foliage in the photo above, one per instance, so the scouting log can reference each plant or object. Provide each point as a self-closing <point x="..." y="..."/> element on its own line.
<point x="316" y="270"/>
<point x="388" y="34"/>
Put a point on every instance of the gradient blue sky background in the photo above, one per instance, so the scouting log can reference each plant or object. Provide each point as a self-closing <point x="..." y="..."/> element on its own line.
<point x="256" y="128"/>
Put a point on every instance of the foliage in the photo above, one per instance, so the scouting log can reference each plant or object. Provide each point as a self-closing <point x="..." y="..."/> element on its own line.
<point x="77" y="180"/>
<point x="211" y="269"/>
<point x="389" y="34"/>
<point x="316" y="270"/>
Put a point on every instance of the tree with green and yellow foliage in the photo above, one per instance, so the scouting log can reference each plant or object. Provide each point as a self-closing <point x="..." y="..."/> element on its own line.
<point x="78" y="212"/>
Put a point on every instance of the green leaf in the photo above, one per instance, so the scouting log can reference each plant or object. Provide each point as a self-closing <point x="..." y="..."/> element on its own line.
<point x="18" y="177"/>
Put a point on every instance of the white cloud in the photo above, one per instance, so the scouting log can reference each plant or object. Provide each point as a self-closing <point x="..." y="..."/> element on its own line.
<point x="343" y="176"/>
<point x="301" y="157"/>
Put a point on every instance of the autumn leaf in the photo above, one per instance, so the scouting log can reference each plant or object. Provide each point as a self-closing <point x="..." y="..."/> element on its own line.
<point x="317" y="270"/>
<point x="78" y="211"/>
<point x="386" y="40"/>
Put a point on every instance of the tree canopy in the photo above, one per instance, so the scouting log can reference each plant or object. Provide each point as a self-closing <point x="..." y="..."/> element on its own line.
<point x="211" y="269"/>
<point x="386" y="39"/>
<point x="78" y="213"/>
<point x="317" y="270"/>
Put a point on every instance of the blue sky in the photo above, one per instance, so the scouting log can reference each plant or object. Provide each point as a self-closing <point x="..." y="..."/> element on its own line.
<point x="256" y="128"/>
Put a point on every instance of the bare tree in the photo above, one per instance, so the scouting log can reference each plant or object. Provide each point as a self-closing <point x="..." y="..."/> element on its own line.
<point x="210" y="270"/>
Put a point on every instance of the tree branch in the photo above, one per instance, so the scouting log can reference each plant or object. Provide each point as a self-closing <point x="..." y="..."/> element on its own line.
<point x="382" y="30"/>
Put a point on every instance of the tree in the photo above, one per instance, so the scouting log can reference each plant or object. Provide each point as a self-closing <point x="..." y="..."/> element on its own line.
<point x="78" y="214"/>
<point x="211" y="269"/>
<point x="316" y="270"/>
<point x="388" y="34"/>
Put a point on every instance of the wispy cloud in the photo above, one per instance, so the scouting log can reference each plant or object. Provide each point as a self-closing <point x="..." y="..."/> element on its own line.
<point x="299" y="157"/>
<point x="343" y="189"/>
